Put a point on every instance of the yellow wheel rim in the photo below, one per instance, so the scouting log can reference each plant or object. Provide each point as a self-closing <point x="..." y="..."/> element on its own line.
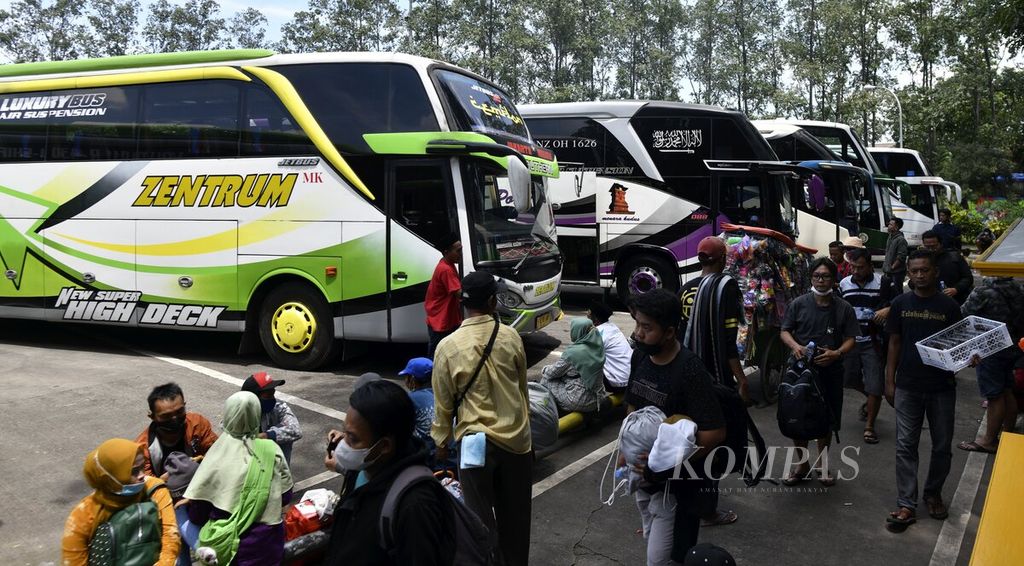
<point x="293" y="327"/>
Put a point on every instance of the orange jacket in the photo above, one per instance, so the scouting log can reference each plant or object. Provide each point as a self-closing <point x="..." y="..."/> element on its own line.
<point x="82" y="523"/>
<point x="199" y="437"/>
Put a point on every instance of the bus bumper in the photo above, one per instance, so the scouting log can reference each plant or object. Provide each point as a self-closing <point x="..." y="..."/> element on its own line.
<point x="530" y="319"/>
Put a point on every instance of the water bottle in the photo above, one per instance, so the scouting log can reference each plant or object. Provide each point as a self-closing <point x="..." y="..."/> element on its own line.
<point x="810" y="350"/>
<point x="942" y="285"/>
<point x="802" y="363"/>
<point x="621" y="473"/>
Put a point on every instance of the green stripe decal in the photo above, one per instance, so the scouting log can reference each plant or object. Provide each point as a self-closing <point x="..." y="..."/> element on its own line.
<point x="132" y="62"/>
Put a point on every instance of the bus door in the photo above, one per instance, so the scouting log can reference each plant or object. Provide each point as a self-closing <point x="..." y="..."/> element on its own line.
<point x="573" y="197"/>
<point x="421" y="213"/>
<point x="921" y="198"/>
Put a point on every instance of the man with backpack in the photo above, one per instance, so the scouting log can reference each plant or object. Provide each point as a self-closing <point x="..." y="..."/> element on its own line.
<point x="479" y="381"/>
<point x="1001" y="299"/>
<point x="831" y="324"/>
<point x="711" y="313"/>
<point x="917" y="390"/>
<point x="666" y="375"/>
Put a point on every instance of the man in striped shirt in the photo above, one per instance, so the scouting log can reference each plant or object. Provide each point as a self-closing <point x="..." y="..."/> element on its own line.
<point x="864" y="368"/>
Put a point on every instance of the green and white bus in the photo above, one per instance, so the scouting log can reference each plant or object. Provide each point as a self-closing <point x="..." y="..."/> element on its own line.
<point x="298" y="199"/>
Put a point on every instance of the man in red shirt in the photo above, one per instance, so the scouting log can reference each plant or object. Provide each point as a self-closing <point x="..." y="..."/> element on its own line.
<point x="444" y="313"/>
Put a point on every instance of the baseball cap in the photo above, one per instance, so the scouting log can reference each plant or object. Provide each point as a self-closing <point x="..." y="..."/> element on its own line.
<point x="478" y="287"/>
<point x="418" y="368"/>
<point x="853" y="242"/>
<point x="706" y="554"/>
<point x="712" y="246"/>
<point x="259" y="381"/>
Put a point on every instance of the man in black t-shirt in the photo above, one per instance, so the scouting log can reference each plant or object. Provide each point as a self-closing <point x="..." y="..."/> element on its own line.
<point x="917" y="390"/>
<point x="673" y="379"/>
<point x="830" y="322"/>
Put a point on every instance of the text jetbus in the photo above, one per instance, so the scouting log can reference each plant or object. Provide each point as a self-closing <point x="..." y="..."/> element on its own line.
<point x="296" y="198"/>
<point x="643" y="182"/>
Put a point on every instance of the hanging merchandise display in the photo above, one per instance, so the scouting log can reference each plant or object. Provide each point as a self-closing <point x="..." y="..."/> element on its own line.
<point x="770" y="274"/>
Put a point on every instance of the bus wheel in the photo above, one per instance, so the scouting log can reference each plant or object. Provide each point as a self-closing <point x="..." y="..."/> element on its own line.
<point x="296" y="327"/>
<point x="643" y="274"/>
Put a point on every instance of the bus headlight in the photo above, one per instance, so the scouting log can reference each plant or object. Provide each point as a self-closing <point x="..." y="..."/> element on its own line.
<point x="509" y="299"/>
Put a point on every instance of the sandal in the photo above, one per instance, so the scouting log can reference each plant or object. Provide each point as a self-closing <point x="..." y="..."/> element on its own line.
<point x="796" y="477"/>
<point x="975" y="446"/>
<point x="826" y="480"/>
<point x="721" y="518"/>
<point x="870" y="437"/>
<point x="936" y="508"/>
<point x="898" y="521"/>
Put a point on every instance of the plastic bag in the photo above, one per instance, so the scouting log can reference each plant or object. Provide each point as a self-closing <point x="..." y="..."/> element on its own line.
<point x="543" y="416"/>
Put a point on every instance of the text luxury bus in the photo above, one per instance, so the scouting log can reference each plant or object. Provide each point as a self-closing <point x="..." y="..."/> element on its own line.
<point x="853" y="203"/>
<point x="299" y="199"/>
<point x="923" y="194"/>
<point x="643" y="182"/>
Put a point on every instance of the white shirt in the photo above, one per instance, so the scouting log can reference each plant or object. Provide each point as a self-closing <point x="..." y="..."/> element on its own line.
<point x="617" y="354"/>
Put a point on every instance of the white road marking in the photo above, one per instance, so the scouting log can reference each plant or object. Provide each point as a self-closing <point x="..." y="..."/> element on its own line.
<point x="315" y="480"/>
<point x="221" y="376"/>
<point x="951" y="537"/>
<point x="572" y="469"/>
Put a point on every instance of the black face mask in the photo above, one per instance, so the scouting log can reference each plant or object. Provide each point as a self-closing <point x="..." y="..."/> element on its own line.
<point x="173" y="426"/>
<point x="649" y="349"/>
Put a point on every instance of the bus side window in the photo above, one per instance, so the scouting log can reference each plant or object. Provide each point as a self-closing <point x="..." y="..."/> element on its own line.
<point x="104" y="128"/>
<point x="420" y="201"/>
<point x="268" y="129"/>
<point x="740" y="200"/>
<point x="192" y="119"/>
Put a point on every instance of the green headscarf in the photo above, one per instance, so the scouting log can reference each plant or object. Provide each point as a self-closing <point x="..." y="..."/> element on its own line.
<point x="586" y="353"/>
<point x="221" y="474"/>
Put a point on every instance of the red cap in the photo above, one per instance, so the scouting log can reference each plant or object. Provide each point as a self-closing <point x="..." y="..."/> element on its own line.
<point x="712" y="246"/>
<point x="259" y="381"/>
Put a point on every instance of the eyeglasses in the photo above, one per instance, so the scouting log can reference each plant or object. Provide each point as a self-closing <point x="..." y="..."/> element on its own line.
<point x="821" y="276"/>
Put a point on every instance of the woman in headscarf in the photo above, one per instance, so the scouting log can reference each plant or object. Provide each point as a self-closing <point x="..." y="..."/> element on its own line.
<point x="576" y="381"/>
<point x="240" y="487"/>
<point x="115" y="472"/>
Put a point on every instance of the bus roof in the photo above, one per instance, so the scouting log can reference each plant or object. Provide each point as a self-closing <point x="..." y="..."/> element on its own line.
<point x="879" y="149"/>
<point x="618" y="109"/>
<point x="255" y="57"/>
<point x="771" y="129"/>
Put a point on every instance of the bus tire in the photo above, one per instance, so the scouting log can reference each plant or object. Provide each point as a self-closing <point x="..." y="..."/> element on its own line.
<point x="296" y="327"/>
<point x="644" y="273"/>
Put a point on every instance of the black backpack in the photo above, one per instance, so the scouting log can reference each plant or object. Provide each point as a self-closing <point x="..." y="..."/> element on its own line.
<point x="740" y="434"/>
<point x="803" y="413"/>
<point x="473" y="543"/>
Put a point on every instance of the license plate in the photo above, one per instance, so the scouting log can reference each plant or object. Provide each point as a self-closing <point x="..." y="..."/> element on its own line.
<point x="543" y="320"/>
<point x="543" y="289"/>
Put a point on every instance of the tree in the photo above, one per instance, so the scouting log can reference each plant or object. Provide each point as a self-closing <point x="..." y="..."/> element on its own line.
<point x="114" y="26"/>
<point x="248" y="30"/>
<point x="343" y="25"/>
<point x="34" y="30"/>
<point x="194" y="26"/>
<point x="431" y="29"/>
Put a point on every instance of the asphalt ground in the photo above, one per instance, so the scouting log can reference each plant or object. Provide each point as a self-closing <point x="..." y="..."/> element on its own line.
<point x="66" y="388"/>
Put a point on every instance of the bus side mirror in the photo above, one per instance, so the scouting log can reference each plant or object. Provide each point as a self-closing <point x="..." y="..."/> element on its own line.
<point x="519" y="183"/>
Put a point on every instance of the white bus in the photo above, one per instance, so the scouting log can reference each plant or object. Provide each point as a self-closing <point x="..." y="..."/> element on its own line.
<point x="923" y="194"/>
<point x="298" y="199"/>
<point x="644" y="181"/>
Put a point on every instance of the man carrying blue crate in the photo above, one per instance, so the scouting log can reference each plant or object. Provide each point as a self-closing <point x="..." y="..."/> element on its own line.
<point x="1000" y="299"/>
<point x="917" y="390"/>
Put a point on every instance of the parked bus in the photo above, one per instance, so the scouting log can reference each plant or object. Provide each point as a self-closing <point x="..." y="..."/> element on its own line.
<point x="922" y="193"/>
<point x="855" y="205"/>
<point x="298" y="199"/>
<point x="843" y="141"/>
<point x="642" y="182"/>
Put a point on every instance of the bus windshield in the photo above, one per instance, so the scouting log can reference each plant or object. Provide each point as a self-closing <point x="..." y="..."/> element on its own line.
<point x="899" y="164"/>
<point x="500" y="235"/>
<point x="481" y="107"/>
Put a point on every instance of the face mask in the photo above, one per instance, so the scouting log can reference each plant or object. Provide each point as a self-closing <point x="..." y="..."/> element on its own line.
<point x="267" y="405"/>
<point x="131" y="489"/>
<point x="821" y="293"/>
<point x="173" y="426"/>
<point x="648" y="349"/>
<point x="352" y="459"/>
<point x="126" y="489"/>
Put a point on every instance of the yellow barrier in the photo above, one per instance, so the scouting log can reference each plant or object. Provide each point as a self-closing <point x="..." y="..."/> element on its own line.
<point x="999" y="541"/>
<point x="575" y="419"/>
